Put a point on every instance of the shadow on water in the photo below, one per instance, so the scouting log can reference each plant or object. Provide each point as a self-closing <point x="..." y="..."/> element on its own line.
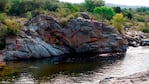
<point x="49" y="68"/>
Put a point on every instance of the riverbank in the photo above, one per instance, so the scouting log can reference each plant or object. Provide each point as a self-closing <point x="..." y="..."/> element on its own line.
<point x="137" y="78"/>
<point x="135" y="70"/>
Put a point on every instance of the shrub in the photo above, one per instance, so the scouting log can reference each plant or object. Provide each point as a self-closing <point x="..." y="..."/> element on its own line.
<point x="19" y="8"/>
<point x="51" y="5"/>
<point x="10" y="28"/>
<point x="38" y="12"/>
<point x="91" y="4"/>
<point x="28" y="15"/>
<point x="3" y="30"/>
<point x="2" y="16"/>
<point x="64" y="20"/>
<point x="104" y="12"/>
<point x="145" y="29"/>
<point x="72" y="8"/>
<point x="117" y="22"/>
<point x="139" y="18"/>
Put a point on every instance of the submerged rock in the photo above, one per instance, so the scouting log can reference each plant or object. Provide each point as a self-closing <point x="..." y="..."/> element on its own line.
<point x="43" y="36"/>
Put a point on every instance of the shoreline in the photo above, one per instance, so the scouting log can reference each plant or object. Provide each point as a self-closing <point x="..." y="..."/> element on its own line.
<point x="137" y="78"/>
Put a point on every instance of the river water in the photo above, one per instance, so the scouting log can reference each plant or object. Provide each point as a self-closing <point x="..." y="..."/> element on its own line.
<point x="48" y="72"/>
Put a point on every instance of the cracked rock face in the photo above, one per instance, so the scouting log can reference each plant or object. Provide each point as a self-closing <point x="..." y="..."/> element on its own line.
<point x="43" y="36"/>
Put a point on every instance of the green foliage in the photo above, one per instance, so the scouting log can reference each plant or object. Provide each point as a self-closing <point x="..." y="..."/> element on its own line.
<point x="38" y="12"/>
<point x="72" y="7"/>
<point x="64" y="20"/>
<point x="128" y="13"/>
<point x="63" y="12"/>
<point x="20" y="8"/>
<point x="4" y="5"/>
<point x="129" y="16"/>
<point x="125" y="11"/>
<point x="28" y="15"/>
<point x="117" y="22"/>
<point x="81" y="7"/>
<point x="9" y="28"/>
<point x="139" y="18"/>
<point x="104" y="12"/>
<point x="142" y="9"/>
<point x="3" y="30"/>
<point x="117" y="10"/>
<point x="3" y="16"/>
<point x="145" y="29"/>
<point x="51" y="5"/>
<point x="91" y="4"/>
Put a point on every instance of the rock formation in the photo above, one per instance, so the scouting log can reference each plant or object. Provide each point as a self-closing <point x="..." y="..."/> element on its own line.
<point x="43" y="36"/>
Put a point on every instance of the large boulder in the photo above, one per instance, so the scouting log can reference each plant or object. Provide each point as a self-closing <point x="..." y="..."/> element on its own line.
<point x="44" y="36"/>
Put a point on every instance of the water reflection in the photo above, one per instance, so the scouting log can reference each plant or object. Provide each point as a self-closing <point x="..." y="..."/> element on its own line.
<point x="85" y="72"/>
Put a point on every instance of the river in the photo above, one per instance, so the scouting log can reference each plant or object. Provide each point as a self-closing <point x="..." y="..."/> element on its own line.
<point x="48" y="72"/>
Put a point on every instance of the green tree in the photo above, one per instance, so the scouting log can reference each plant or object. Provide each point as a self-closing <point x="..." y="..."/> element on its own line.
<point x="104" y="12"/>
<point x="72" y="7"/>
<point x="117" y="10"/>
<point x="117" y="22"/>
<point x="51" y="5"/>
<point x="129" y="16"/>
<point x="142" y="9"/>
<point x="21" y="7"/>
<point x="91" y="4"/>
